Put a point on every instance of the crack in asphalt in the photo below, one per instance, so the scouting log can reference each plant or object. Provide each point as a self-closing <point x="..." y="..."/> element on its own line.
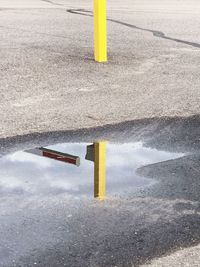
<point x="53" y="3"/>
<point x="158" y="34"/>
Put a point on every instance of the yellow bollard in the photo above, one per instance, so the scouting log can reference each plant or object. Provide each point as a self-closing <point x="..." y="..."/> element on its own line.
<point x="99" y="170"/>
<point x="100" y="32"/>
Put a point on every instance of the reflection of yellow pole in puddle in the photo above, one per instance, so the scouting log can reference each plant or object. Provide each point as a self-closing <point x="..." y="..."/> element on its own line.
<point x="99" y="170"/>
<point x="100" y="34"/>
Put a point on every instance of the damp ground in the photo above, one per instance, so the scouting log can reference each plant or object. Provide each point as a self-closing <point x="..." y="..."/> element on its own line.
<point x="49" y="216"/>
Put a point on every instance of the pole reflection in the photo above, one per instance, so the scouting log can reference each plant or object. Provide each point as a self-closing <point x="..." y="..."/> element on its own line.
<point x="95" y="153"/>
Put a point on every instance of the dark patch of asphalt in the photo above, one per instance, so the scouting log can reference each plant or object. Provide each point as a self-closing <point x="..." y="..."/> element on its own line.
<point x="60" y="231"/>
<point x="177" y="134"/>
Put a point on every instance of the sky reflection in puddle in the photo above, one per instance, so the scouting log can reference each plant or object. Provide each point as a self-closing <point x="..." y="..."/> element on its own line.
<point x="27" y="174"/>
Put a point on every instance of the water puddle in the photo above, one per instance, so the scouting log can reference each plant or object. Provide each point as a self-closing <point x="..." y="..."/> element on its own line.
<point x="39" y="172"/>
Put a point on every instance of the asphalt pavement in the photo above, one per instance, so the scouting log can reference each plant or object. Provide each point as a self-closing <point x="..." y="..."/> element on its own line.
<point x="154" y="224"/>
<point x="49" y="80"/>
<point x="52" y="91"/>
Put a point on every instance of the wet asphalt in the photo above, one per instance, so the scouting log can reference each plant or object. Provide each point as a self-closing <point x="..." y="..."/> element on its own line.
<point x="147" y="92"/>
<point x="132" y="230"/>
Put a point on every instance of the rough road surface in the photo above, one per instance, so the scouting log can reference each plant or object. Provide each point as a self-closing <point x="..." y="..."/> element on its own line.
<point x="49" y="84"/>
<point x="49" y="81"/>
<point x="157" y="225"/>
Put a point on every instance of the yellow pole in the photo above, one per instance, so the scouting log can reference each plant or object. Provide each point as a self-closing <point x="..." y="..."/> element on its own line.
<point x="100" y="32"/>
<point x="99" y="170"/>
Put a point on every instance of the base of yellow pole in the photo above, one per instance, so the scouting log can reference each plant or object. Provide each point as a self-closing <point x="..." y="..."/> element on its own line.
<point x="100" y="170"/>
<point x="100" y="31"/>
